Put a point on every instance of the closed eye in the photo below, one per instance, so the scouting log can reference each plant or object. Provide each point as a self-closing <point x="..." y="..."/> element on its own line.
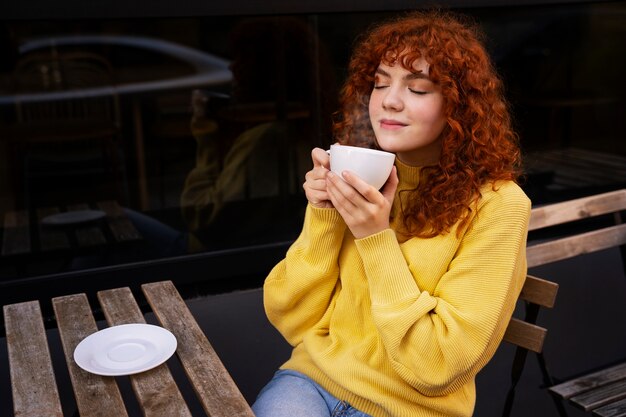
<point x="418" y="92"/>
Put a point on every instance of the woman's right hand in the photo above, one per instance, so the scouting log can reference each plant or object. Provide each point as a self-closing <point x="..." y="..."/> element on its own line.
<point x="315" y="180"/>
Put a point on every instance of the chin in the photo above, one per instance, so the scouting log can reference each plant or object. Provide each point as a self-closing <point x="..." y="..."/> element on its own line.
<point x="385" y="145"/>
<point x="388" y="147"/>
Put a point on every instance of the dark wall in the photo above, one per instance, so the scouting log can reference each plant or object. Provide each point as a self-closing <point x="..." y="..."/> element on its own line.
<point x="71" y="9"/>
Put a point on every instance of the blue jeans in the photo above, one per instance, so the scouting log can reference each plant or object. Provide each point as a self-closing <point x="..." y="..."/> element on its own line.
<point x="292" y="394"/>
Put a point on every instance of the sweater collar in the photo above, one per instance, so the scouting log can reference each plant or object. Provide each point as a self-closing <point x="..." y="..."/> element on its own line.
<point x="409" y="176"/>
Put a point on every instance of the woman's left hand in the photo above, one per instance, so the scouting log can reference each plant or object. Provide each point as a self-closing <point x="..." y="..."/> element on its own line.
<point x="364" y="209"/>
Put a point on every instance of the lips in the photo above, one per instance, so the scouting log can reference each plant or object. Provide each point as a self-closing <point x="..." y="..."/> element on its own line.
<point x="391" y="124"/>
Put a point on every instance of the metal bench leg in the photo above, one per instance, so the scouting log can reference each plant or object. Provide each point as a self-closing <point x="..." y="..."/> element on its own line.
<point x="548" y="382"/>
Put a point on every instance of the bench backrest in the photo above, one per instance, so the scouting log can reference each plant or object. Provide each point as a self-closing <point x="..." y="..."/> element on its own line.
<point x="537" y="292"/>
<point x="525" y="333"/>
<point x="542" y="293"/>
<point x="578" y="244"/>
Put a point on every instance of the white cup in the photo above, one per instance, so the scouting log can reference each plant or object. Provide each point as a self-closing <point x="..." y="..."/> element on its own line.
<point x="371" y="165"/>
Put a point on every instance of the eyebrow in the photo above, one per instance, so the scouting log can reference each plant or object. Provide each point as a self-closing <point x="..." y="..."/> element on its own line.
<point x="410" y="76"/>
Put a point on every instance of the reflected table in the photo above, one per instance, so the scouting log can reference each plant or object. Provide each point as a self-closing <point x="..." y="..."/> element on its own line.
<point x="33" y="383"/>
<point x="29" y="237"/>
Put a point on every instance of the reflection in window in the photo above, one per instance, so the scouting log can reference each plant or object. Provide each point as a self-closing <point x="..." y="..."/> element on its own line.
<point x="167" y="137"/>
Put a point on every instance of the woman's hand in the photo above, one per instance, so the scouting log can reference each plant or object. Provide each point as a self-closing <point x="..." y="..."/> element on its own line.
<point x="364" y="209"/>
<point x="315" y="180"/>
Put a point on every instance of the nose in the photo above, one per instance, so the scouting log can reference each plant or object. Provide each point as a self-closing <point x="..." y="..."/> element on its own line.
<point x="392" y="100"/>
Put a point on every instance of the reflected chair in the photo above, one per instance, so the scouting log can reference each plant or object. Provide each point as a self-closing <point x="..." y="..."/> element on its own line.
<point x="67" y="132"/>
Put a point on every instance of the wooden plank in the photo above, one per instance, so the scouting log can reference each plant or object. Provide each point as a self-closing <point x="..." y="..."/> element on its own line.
<point x="215" y="388"/>
<point x="96" y="396"/>
<point x="87" y="235"/>
<point x="539" y="291"/>
<point x="121" y="227"/>
<point x="600" y="396"/>
<point x="580" y="208"/>
<point x="156" y="390"/>
<point x="580" y="244"/>
<point x="16" y="239"/>
<point x="527" y="335"/>
<point x="616" y="409"/>
<point x="579" y="385"/>
<point x="51" y="238"/>
<point x="33" y="385"/>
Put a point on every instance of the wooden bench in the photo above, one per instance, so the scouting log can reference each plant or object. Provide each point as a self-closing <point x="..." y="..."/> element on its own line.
<point x="603" y="392"/>
<point x="157" y="392"/>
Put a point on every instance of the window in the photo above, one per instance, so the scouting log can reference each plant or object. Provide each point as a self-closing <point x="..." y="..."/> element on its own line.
<point x="131" y="142"/>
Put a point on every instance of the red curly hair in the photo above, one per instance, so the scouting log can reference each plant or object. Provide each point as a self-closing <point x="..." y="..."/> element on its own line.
<point x="479" y="145"/>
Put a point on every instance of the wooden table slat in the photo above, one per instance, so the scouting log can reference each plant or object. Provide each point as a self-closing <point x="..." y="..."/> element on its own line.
<point x="214" y="386"/>
<point x="156" y="389"/>
<point x="601" y="396"/>
<point x="616" y="409"/>
<point x="119" y="307"/>
<point x="96" y="396"/>
<point x="16" y="238"/>
<point x="590" y="381"/>
<point x="33" y="384"/>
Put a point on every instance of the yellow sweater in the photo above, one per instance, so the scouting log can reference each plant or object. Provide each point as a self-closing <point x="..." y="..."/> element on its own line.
<point x="401" y="329"/>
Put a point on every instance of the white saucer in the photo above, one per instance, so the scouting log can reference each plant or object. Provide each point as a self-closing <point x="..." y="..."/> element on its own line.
<point x="124" y="350"/>
<point x="73" y="217"/>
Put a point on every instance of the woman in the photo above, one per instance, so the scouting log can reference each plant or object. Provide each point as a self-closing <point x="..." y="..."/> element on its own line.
<point x="394" y="300"/>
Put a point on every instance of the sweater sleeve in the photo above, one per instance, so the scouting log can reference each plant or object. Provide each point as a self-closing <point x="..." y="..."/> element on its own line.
<point x="438" y="342"/>
<point x="299" y="290"/>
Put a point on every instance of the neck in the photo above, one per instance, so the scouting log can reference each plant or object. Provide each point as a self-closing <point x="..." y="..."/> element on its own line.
<point x="424" y="156"/>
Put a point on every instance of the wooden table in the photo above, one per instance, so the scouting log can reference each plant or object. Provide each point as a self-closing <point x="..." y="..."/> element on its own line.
<point x="33" y="383"/>
<point x="27" y="241"/>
